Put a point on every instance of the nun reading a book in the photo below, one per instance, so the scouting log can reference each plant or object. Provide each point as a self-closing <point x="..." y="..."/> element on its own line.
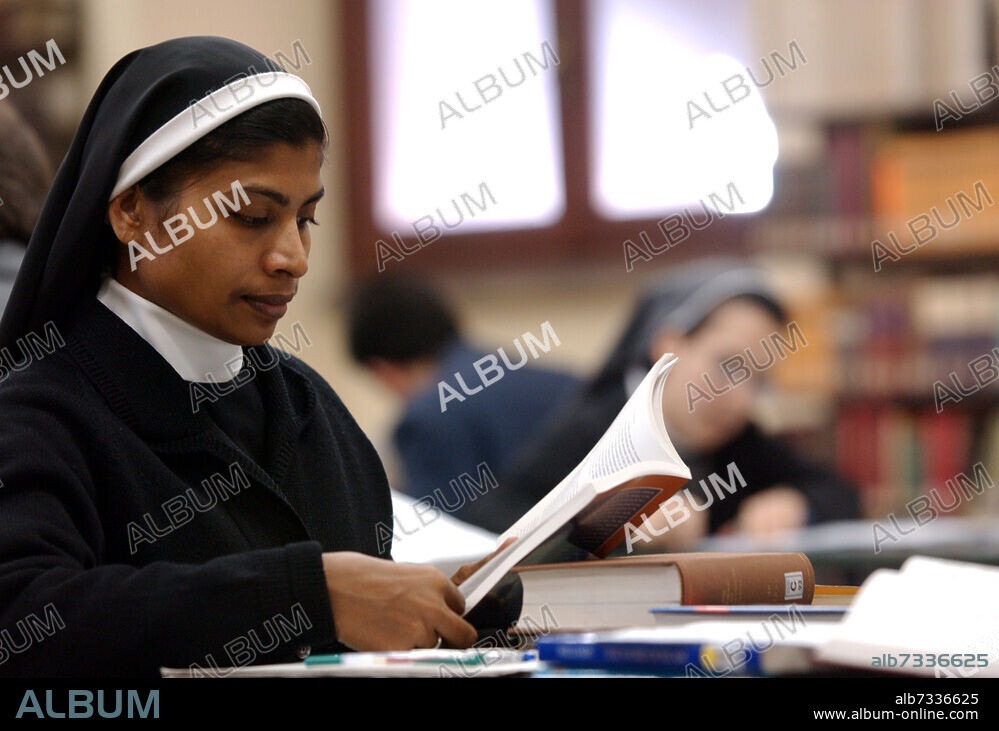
<point x="175" y="492"/>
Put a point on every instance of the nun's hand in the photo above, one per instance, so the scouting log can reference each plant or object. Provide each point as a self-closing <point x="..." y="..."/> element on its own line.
<point x="470" y="568"/>
<point x="383" y="605"/>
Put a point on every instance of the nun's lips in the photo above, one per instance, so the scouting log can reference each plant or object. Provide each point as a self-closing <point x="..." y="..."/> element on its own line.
<point x="273" y="306"/>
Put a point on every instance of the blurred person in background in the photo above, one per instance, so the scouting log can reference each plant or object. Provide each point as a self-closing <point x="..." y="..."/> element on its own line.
<point x="408" y="338"/>
<point x="25" y="174"/>
<point x="705" y="313"/>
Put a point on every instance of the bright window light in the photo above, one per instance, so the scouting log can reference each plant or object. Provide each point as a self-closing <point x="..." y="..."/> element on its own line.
<point x="659" y="143"/>
<point x="437" y="135"/>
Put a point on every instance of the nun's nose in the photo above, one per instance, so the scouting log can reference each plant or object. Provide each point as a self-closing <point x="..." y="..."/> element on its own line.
<point x="290" y="253"/>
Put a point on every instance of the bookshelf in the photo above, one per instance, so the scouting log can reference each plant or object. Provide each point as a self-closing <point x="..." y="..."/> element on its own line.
<point x="891" y="332"/>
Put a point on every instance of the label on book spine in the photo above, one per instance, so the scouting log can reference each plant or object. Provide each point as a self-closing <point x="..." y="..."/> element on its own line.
<point x="794" y="585"/>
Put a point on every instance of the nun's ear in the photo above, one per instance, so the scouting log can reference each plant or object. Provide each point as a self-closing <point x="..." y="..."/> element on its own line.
<point x="125" y="215"/>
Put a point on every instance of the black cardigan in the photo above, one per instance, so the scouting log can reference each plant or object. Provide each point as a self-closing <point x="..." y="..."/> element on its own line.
<point x="99" y="435"/>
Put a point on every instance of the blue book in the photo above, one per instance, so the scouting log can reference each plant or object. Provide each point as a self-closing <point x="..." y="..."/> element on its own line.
<point x="590" y="650"/>
<point x="715" y="652"/>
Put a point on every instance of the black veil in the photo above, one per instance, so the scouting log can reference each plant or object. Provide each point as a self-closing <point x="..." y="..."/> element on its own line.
<point x="151" y="105"/>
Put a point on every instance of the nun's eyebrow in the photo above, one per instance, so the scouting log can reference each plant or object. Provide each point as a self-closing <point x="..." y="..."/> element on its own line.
<point x="280" y="198"/>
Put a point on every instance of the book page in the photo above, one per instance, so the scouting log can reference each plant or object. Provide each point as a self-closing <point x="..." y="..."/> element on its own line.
<point x="931" y="606"/>
<point x="636" y="436"/>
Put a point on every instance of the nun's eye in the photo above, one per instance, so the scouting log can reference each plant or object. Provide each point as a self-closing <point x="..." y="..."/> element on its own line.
<point x="253" y="220"/>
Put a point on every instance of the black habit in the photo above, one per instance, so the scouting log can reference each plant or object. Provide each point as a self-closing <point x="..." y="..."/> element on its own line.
<point x="137" y="531"/>
<point x="99" y="435"/>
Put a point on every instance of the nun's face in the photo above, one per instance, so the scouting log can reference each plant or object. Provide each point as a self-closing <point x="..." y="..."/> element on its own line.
<point x="700" y="418"/>
<point x="234" y="278"/>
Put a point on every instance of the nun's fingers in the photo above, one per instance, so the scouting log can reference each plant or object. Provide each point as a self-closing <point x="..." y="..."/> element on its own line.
<point x="468" y="569"/>
<point x="453" y="630"/>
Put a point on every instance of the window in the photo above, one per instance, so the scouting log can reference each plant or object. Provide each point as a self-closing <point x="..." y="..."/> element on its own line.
<point x="533" y="132"/>
<point x="658" y="142"/>
<point x="457" y="108"/>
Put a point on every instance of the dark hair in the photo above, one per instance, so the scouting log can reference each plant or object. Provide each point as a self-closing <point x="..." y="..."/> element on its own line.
<point x="292" y="121"/>
<point x="25" y="175"/>
<point x="399" y="320"/>
<point x="288" y="120"/>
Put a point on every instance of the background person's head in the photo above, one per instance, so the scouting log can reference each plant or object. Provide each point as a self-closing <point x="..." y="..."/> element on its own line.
<point x="704" y="312"/>
<point x="736" y="324"/>
<point x="398" y="328"/>
<point x="25" y="175"/>
<point x="233" y="279"/>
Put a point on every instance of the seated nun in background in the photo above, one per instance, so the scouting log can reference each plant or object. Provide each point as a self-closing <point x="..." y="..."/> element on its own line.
<point x="705" y="313"/>
<point x="150" y="528"/>
<point x="25" y="174"/>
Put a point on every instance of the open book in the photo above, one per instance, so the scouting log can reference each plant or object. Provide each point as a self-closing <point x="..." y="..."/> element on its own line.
<point x="630" y="471"/>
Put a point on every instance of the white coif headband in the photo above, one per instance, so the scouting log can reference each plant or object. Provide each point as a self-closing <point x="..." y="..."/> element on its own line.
<point x="205" y="115"/>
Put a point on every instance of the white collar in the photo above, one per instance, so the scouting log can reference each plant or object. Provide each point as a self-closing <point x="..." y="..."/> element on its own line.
<point x="193" y="353"/>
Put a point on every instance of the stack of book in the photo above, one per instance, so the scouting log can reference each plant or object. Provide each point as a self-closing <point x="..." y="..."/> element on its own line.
<point x="624" y="592"/>
<point x="899" y="622"/>
<point x="671" y="613"/>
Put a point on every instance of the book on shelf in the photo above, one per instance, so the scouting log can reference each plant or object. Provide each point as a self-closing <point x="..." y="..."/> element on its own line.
<point x="924" y="174"/>
<point x="895" y="455"/>
<point x="629" y="472"/>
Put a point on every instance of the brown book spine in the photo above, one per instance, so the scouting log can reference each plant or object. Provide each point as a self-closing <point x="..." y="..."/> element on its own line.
<point x="778" y="578"/>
